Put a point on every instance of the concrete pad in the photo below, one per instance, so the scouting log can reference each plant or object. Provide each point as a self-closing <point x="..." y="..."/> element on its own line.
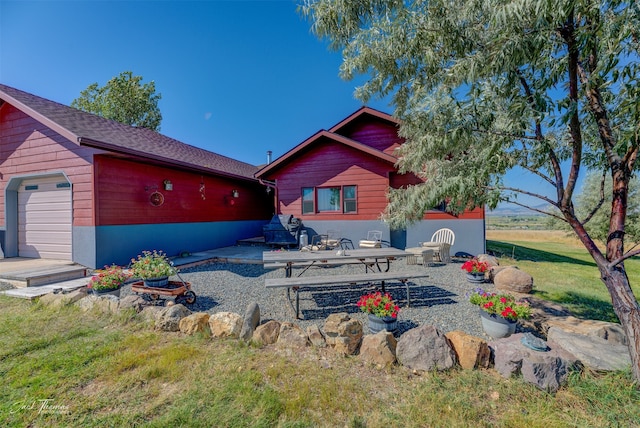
<point x="35" y="292"/>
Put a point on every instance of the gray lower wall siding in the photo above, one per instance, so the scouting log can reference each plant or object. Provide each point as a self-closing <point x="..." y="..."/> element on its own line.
<point x="119" y="244"/>
<point x="470" y="234"/>
<point x="84" y="246"/>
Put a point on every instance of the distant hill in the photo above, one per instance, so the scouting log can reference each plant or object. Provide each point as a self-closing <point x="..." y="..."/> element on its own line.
<point x="510" y="210"/>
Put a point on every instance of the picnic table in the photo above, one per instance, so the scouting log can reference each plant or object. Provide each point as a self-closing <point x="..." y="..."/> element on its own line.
<point x="373" y="260"/>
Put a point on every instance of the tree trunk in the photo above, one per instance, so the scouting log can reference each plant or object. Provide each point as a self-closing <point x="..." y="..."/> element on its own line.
<point x="627" y="309"/>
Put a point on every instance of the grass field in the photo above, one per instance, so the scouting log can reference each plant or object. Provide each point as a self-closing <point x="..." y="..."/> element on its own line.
<point x="65" y="368"/>
<point x="562" y="269"/>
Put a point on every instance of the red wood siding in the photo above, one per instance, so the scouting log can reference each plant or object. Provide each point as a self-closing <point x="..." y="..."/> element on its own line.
<point x="333" y="164"/>
<point x="28" y="147"/>
<point x="379" y="135"/>
<point x="123" y="188"/>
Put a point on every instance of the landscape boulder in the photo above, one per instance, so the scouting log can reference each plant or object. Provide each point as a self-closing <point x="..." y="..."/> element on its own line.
<point x="425" y="348"/>
<point x="105" y="304"/>
<point x="343" y="333"/>
<point x="194" y="323"/>
<point x="132" y="301"/>
<point x="225" y="324"/>
<point x="250" y="321"/>
<point x="513" y="279"/>
<point x="593" y="352"/>
<point x="267" y="333"/>
<point x="490" y="260"/>
<point x="169" y="318"/>
<point x="472" y="352"/>
<point x="316" y="337"/>
<point x="57" y="300"/>
<point x="548" y="370"/>
<point x="379" y="348"/>
<point x="292" y="336"/>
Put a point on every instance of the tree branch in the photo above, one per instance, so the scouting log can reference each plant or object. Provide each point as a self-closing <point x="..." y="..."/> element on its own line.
<point x="539" y="174"/>
<point x="524" y="192"/>
<point x="600" y="202"/>
<point x="624" y="257"/>
<point x="537" y="210"/>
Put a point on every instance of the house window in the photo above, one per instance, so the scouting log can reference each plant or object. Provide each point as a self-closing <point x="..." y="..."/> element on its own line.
<point x="349" y="196"/>
<point x="308" y="205"/>
<point x="329" y="199"/>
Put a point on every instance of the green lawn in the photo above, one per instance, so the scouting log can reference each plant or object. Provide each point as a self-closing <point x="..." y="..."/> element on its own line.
<point x="565" y="273"/>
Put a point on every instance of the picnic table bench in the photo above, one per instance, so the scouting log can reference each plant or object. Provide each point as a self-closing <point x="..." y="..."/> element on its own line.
<point x="309" y="281"/>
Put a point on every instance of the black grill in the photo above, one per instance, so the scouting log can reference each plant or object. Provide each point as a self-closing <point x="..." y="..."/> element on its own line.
<point x="282" y="230"/>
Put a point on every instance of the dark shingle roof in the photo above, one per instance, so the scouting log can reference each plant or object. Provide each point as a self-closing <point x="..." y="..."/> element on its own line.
<point x="91" y="130"/>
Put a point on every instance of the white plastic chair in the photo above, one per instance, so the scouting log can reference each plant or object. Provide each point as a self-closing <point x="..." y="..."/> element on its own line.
<point x="441" y="242"/>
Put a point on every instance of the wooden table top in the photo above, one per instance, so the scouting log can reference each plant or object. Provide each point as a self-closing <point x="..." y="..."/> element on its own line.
<point x="331" y="255"/>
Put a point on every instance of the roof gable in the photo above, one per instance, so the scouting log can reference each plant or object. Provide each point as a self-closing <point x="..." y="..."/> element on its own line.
<point x="335" y="136"/>
<point x="315" y="140"/>
<point x="95" y="131"/>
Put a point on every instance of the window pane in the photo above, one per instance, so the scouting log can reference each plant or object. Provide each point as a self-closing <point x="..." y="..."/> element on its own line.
<point x="329" y="199"/>
<point x="307" y="200"/>
<point x="350" y="205"/>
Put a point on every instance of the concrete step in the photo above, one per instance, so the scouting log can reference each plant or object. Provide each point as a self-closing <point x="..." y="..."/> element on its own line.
<point x="43" y="275"/>
<point x="31" y="293"/>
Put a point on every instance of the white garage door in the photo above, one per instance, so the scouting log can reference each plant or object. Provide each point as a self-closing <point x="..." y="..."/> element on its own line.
<point x="44" y="218"/>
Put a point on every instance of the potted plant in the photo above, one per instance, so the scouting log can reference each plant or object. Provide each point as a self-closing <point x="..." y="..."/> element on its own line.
<point x="153" y="267"/>
<point x="382" y="311"/>
<point x="499" y="312"/>
<point x="108" y="280"/>
<point x="475" y="270"/>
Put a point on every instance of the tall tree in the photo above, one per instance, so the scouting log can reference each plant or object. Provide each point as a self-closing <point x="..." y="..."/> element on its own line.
<point x="123" y="99"/>
<point x="485" y="86"/>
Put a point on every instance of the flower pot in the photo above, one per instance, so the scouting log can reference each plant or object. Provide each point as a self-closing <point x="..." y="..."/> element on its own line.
<point x="496" y="326"/>
<point x="162" y="281"/>
<point x="107" y="292"/>
<point x="475" y="278"/>
<point x="377" y="324"/>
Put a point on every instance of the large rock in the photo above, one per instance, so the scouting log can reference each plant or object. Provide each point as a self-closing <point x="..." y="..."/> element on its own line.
<point x="379" y="348"/>
<point x="316" y="337"/>
<point x="548" y="370"/>
<point x="250" y="322"/>
<point x="267" y="333"/>
<point x="106" y="304"/>
<point x="472" y="352"/>
<point x="425" y="348"/>
<point x="592" y="351"/>
<point x="57" y="300"/>
<point x="513" y="279"/>
<point x="194" y="323"/>
<point x="132" y="301"/>
<point x="611" y="332"/>
<point x="151" y="313"/>
<point x="225" y="324"/>
<point x="490" y="260"/>
<point x="169" y="318"/>
<point x="343" y="333"/>
<point x="332" y="324"/>
<point x="292" y="336"/>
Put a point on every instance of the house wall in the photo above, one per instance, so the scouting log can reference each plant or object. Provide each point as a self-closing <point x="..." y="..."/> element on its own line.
<point x="124" y="187"/>
<point x="28" y="147"/>
<point x="380" y="135"/>
<point x="333" y="164"/>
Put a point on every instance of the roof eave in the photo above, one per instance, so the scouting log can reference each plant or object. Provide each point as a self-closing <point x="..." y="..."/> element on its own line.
<point x="173" y="162"/>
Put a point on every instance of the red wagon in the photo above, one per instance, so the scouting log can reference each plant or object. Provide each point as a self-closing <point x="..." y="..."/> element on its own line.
<point x="179" y="290"/>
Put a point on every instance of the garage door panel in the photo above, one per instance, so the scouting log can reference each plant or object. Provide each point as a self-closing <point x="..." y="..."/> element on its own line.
<point x="44" y="220"/>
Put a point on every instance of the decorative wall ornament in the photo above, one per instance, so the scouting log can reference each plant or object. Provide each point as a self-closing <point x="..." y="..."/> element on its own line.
<point x="156" y="199"/>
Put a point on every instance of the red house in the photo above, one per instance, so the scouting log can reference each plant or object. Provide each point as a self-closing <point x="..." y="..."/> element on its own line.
<point x="336" y="180"/>
<point x="76" y="186"/>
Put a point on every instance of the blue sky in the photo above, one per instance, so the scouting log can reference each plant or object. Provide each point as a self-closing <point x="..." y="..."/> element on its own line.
<point x="236" y="77"/>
